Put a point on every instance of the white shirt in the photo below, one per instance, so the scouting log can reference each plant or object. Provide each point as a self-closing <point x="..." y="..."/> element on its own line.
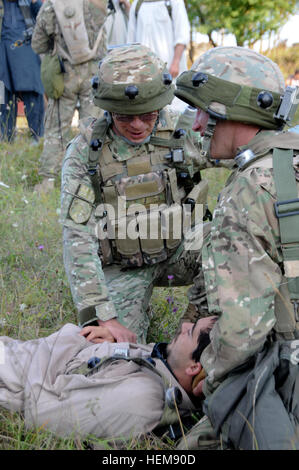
<point x="116" y="26"/>
<point x="154" y="28"/>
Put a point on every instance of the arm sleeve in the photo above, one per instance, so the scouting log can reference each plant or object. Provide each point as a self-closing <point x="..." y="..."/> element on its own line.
<point x="181" y="26"/>
<point x="242" y="276"/>
<point x="44" y="30"/>
<point x="80" y="245"/>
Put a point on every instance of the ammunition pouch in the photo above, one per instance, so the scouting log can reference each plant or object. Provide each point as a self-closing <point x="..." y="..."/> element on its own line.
<point x="52" y="78"/>
<point x="142" y="227"/>
<point x="133" y="233"/>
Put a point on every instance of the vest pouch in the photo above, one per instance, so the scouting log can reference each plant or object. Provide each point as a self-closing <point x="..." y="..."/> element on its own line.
<point x="127" y="241"/>
<point x="82" y="204"/>
<point x="52" y="76"/>
<point x="171" y="222"/>
<point x="137" y="188"/>
<point x="151" y="241"/>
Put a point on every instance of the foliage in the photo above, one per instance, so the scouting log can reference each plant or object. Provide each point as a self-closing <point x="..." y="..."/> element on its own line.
<point x="248" y="20"/>
<point x="287" y="58"/>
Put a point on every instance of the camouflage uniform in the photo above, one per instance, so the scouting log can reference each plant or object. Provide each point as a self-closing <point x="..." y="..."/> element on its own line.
<point x="105" y="291"/>
<point x="77" y="91"/>
<point x="242" y="260"/>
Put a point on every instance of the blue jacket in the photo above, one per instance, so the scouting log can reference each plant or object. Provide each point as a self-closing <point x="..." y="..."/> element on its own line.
<point x="19" y="67"/>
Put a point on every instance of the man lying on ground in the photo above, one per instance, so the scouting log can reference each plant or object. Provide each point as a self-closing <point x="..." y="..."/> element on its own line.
<point x="75" y="386"/>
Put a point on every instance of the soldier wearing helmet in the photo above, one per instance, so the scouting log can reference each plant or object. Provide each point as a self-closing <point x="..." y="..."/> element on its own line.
<point x="250" y="260"/>
<point x="130" y="181"/>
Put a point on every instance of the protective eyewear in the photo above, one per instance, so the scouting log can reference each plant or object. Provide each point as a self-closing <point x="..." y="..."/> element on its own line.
<point x="147" y="117"/>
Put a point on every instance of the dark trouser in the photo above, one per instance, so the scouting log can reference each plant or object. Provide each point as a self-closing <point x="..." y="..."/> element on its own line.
<point x="34" y="111"/>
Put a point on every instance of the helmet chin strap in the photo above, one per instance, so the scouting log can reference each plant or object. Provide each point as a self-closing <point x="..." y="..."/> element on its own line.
<point x="207" y="137"/>
<point x="146" y="140"/>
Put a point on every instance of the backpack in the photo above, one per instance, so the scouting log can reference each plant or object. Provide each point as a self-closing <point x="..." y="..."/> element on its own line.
<point x="257" y="406"/>
<point x="70" y="16"/>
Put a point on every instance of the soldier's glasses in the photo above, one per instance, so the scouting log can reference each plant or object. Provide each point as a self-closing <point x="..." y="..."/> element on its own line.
<point x="147" y="117"/>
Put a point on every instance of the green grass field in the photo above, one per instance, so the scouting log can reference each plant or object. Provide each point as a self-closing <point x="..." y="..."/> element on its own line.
<point x="35" y="299"/>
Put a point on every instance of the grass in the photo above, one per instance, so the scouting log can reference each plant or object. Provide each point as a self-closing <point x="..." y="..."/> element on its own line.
<point x="35" y="299"/>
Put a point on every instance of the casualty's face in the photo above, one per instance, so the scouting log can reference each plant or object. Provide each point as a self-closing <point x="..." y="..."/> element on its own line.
<point x="184" y="343"/>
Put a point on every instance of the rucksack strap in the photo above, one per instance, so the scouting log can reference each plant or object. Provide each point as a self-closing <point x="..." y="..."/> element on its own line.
<point x="167" y="4"/>
<point x="287" y="212"/>
<point x="24" y="6"/>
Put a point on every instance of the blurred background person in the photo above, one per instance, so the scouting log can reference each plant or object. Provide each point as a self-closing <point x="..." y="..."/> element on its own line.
<point x="117" y="22"/>
<point x="163" y="26"/>
<point x="74" y="31"/>
<point x="20" y="68"/>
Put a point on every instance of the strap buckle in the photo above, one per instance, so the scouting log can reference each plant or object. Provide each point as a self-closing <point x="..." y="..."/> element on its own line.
<point x="285" y="213"/>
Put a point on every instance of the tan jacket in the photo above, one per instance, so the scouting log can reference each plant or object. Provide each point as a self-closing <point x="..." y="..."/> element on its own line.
<point x="122" y="399"/>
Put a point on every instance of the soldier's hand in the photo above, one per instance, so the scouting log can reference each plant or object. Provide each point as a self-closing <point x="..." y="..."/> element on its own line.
<point x="97" y="334"/>
<point x="120" y="332"/>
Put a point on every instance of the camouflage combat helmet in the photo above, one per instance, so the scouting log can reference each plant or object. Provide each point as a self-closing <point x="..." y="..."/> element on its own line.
<point x="234" y="83"/>
<point x="132" y="80"/>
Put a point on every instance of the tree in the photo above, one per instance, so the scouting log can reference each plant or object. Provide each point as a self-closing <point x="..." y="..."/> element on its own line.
<point x="248" y="20"/>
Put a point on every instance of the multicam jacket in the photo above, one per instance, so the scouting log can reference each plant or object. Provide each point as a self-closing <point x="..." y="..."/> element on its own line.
<point x="81" y="246"/>
<point x="243" y="264"/>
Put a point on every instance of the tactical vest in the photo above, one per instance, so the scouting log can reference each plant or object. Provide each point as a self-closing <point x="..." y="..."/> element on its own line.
<point x="70" y="16"/>
<point x="167" y="4"/>
<point x="140" y="198"/>
<point x="287" y="211"/>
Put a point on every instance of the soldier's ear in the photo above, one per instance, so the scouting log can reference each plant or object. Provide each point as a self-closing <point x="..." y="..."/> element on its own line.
<point x="193" y="369"/>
